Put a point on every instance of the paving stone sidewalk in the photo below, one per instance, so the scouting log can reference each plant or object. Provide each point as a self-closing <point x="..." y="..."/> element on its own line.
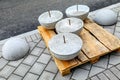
<point x="39" y="65"/>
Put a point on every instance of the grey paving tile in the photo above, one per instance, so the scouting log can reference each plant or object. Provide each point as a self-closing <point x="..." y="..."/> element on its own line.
<point x="3" y="62"/>
<point x="118" y="8"/>
<point x="30" y="59"/>
<point x="28" y="38"/>
<point x="1" y="47"/>
<point x="117" y="28"/>
<point x="37" y="40"/>
<point x="14" y="77"/>
<point x="72" y="79"/>
<point x="119" y="18"/>
<point x="0" y="54"/>
<point x="115" y="10"/>
<point x="110" y="75"/>
<point x="103" y="62"/>
<point x="38" y="35"/>
<point x="119" y="14"/>
<point x="118" y="24"/>
<point x="33" y="37"/>
<point x="32" y="45"/>
<point x="115" y="71"/>
<point x="118" y="66"/>
<point x="2" y="78"/>
<point x="22" y="70"/>
<point x="110" y="65"/>
<point x="95" y="70"/>
<point x="80" y="74"/>
<point x="109" y="30"/>
<point x="46" y="51"/>
<point x="3" y="41"/>
<point x="44" y="58"/>
<point x="37" y="68"/>
<point x="47" y="76"/>
<point x="51" y="67"/>
<point x="109" y="27"/>
<point x="114" y="59"/>
<point x="95" y="78"/>
<point x="30" y="76"/>
<point x="60" y="77"/>
<point x="24" y="38"/>
<point x="102" y="76"/>
<point x="37" y="51"/>
<point x="15" y="63"/>
<point x="117" y="34"/>
<point x="86" y="66"/>
<point x="6" y="71"/>
<point x="41" y="44"/>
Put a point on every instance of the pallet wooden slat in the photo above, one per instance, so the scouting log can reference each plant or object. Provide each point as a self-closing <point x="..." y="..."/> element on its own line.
<point x="106" y="38"/>
<point x="82" y="57"/>
<point x="92" y="47"/>
<point x="46" y="34"/>
<point x="96" y="42"/>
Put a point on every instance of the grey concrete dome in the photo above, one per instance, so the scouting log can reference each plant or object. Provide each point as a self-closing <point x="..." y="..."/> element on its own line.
<point x="48" y="21"/>
<point x="105" y="17"/>
<point x="65" y="50"/>
<point x="74" y="26"/>
<point x="15" y="48"/>
<point x="78" y="11"/>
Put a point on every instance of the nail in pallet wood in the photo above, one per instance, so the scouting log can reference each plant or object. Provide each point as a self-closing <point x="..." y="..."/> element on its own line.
<point x="96" y="43"/>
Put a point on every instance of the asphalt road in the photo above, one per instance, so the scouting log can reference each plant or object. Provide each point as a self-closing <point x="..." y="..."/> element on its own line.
<point x="20" y="16"/>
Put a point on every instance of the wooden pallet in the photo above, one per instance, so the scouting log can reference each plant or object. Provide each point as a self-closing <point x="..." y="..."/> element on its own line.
<point x="96" y="43"/>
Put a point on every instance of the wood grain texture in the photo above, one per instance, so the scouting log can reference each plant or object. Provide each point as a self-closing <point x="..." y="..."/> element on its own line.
<point x="91" y="46"/>
<point x="82" y="57"/>
<point x="46" y="34"/>
<point x="106" y="38"/>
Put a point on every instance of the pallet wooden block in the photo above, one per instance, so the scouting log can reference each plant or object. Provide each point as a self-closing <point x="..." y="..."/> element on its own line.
<point x="96" y="43"/>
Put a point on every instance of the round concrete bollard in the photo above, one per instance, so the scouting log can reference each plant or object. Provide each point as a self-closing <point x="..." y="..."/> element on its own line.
<point x="105" y="17"/>
<point x="73" y="25"/>
<point x="49" y="19"/>
<point x="78" y="11"/>
<point x="65" y="46"/>
<point x="15" y="48"/>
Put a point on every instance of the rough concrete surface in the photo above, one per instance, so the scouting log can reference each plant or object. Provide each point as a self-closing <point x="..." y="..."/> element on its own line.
<point x="19" y="16"/>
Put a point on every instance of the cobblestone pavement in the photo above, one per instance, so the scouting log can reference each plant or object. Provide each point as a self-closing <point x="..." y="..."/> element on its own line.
<point x="39" y="65"/>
